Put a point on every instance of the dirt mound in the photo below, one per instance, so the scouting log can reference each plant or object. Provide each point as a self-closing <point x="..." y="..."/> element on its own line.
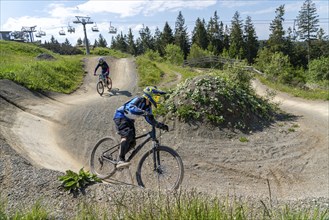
<point x="223" y="104"/>
<point x="45" y="56"/>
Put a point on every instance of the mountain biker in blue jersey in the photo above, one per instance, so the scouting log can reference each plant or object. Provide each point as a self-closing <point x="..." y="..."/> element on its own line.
<point x="125" y="116"/>
<point x="105" y="68"/>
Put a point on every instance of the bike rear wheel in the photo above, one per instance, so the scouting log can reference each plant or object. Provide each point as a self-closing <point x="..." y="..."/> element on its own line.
<point x="100" y="88"/>
<point x="109" y="84"/>
<point x="160" y="168"/>
<point x="102" y="161"/>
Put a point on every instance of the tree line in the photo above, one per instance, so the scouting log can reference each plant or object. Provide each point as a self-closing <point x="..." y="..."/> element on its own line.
<point x="293" y="49"/>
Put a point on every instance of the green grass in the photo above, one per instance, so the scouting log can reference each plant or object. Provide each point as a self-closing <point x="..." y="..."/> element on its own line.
<point x="18" y="63"/>
<point x="314" y="94"/>
<point x="140" y="205"/>
<point x="154" y="73"/>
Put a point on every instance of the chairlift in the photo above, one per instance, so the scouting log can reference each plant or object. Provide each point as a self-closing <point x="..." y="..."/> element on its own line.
<point x="70" y="29"/>
<point x="62" y="32"/>
<point x="41" y="33"/>
<point x="112" y="30"/>
<point x="37" y="34"/>
<point x="95" y="28"/>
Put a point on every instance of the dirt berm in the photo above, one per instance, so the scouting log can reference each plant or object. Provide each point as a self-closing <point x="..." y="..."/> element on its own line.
<point x="45" y="134"/>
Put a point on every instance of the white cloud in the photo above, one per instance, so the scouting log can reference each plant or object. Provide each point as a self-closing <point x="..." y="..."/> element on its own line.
<point x="132" y="8"/>
<point x="237" y="4"/>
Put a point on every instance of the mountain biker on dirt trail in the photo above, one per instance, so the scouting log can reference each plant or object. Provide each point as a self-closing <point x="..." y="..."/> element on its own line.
<point x="125" y="116"/>
<point x="105" y="68"/>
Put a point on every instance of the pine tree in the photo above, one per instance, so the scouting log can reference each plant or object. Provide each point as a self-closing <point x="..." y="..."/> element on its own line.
<point x="95" y="44"/>
<point x="67" y="42"/>
<point x="250" y="39"/>
<point x="102" y="41"/>
<point x="167" y="37"/>
<point x="147" y="41"/>
<point x="236" y="38"/>
<point x="181" y="36"/>
<point x="307" y="22"/>
<point x="199" y="34"/>
<point x="157" y="40"/>
<point x="131" y="46"/>
<point x="276" y="39"/>
<point x="215" y="35"/>
<point x="79" y="42"/>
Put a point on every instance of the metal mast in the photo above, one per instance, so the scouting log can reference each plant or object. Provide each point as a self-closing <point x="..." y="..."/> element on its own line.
<point x="84" y="20"/>
<point x="30" y="31"/>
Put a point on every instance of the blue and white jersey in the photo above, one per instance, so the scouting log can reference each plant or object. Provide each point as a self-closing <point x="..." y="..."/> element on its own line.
<point x="134" y="108"/>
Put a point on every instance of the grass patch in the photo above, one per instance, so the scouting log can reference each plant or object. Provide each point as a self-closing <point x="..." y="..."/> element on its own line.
<point x="145" y="204"/>
<point x="18" y="63"/>
<point x="314" y="94"/>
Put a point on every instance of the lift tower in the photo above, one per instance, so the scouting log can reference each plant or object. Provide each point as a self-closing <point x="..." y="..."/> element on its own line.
<point x="30" y="31"/>
<point x="84" y="20"/>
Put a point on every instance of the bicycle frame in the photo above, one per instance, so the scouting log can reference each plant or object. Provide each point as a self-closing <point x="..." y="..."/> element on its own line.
<point x="102" y="78"/>
<point x="152" y="136"/>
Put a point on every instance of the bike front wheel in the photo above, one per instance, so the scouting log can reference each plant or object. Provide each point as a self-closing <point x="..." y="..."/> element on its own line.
<point x="100" y="88"/>
<point x="103" y="158"/>
<point x="160" y="168"/>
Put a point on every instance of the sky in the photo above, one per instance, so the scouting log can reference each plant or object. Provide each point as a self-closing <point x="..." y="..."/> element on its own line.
<point x="53" y="16"/>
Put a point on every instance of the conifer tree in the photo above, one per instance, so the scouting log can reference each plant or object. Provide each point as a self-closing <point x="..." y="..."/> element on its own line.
<point x="181" y="36"/>
<point x="236" y="49"/>
<point x="167" y="37"/>
<point x="199" y="34"/>
<point x="276" y="39"/>
<point x="102" y="41"/>
<point x="250" y="39"/>
<point x="307" y="22"/>
<point x="131" y="46"/>
<point x="215" y="35"/>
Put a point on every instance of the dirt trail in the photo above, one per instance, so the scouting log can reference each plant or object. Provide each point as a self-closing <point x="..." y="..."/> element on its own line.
<point x="58" y="132"/>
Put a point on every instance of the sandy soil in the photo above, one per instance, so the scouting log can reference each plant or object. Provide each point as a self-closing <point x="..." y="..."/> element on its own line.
<point x="57" y="132"/>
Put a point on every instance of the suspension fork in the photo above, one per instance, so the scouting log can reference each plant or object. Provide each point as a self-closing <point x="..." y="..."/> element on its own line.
<point x="156" y="156"/>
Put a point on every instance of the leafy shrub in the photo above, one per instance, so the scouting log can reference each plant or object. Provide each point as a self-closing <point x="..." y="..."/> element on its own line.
<point x="74" y="182"/>
<point x="277" y="67"/>
<point x="173" y="54"/>
<point x="153" y="55"/>
<point x="319" y="69"/>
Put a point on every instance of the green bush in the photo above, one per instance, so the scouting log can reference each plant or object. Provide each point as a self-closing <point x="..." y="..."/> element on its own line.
<point x="319" y="70"/>
<point x="153" y="55"/>
<point x="173" y="54"/>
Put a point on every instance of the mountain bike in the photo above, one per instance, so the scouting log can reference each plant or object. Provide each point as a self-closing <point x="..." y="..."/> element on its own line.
<point x="160" y="167"/>
<point x="102" y="83"/>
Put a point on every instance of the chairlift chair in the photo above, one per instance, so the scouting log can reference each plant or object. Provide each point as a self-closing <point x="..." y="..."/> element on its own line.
<point x="42" y="33"/>
<point x="62" y="32"/>
<point x="38" y="35"/>
<point x="95" y="28"/>
<point x="70" y="29"/>
<point x="112" y="30"/>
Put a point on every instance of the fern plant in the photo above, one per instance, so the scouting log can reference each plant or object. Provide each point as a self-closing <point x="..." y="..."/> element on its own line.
<point x="76" y="181"/>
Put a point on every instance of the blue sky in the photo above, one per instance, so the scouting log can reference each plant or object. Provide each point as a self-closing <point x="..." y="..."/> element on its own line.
<point x="53" y="16"/>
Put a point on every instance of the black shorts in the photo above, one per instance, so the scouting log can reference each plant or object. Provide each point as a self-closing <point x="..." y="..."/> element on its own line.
<point x="125" y="128"/>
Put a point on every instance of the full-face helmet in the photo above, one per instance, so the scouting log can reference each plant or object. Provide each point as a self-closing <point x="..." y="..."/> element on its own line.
<point x="152" y="93"/>
<point x="100" y="60"/>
